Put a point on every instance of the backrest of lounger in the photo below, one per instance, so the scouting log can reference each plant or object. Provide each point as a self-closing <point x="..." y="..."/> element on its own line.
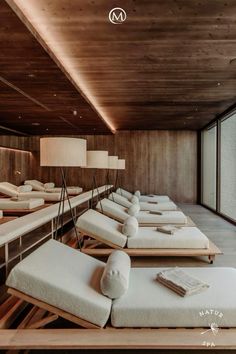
<point x="101" y="227"/>
<point x="124" y="193"/>
<point x="119" y="199"/>
<point x="113" y="209"/>
<point x="64" y="278"/>
<point x="36" y="185"/>
<point x="8" y="189"/>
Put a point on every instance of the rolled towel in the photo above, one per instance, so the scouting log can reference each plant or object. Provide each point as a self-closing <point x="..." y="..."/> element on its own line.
<point x="115" y="278"/>
<point x="181" y="282"/>
<point x="135" y="200"/>
<point x="168" y="229"/>
<point x="133" y="210"/>
<point x="49" y="185"/>
<point x="130" y="227"/>
<point x="25" y="188"/>
<point x="137" y="194"/>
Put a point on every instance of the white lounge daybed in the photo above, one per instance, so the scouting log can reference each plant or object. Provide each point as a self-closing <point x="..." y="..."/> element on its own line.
<point x="50" y="187"/>
<point x="71" y="284"/>
<point x="25" y="192"/>
<point x="119" y="199"/>
<point x="8" y="204"/>
<point x="1" y="214"/>
<point x="143" y="198"/>
<point x="110" y="234"/>
<point x="121" y="213"/>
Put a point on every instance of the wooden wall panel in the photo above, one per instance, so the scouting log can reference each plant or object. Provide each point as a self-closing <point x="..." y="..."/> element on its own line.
<point x="163" y="162"/>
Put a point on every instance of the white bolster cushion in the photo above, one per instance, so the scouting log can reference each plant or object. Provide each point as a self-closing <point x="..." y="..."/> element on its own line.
<point x="25" y="188"/>
<point x="115" y="278"/>
<point x="133" y="210"/>
<point x="134" y="200"/>
<point x="130" y="227"/>
<point x="137" y="194"/>
<point x="49" y="185"/>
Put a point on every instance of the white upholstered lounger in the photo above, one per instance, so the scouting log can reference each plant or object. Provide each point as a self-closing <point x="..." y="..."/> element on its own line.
<point x="120" y="213"/>
<point x="119" y="199"/>
<point x="107" y="235"/>
<point x="8" y="204"/>
<point x="103" y="228"/>
<point x="1" y="214"/>
<point x="143" y="198"/>
<point x="50" y="187"/>
<point x="13" y="191"/>
<point x="69" y="281"/>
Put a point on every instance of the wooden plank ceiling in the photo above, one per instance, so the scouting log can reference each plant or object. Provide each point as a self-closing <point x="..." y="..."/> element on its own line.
<point x="35" y="96"/>
<point x="170" y="65"/>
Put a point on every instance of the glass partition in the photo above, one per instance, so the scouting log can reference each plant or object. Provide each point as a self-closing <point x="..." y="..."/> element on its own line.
<point x="228" y="167"/>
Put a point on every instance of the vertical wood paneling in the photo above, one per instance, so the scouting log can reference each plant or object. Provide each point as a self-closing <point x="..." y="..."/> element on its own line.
<point x="163" y="162"/>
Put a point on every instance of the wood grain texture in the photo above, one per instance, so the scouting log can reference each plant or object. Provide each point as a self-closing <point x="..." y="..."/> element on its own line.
<point x="162" y="162"/>
<point x="170" y="65"/>
<point x="34" y="90"/>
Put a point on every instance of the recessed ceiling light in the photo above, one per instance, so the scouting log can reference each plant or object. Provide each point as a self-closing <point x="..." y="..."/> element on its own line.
<point x="31" y="75"/>
<point x="47" y="129"/>
<point x="54" y="94"/>
<point x="19" y="117"/>
<point x="75" y="112"/>
<point x="80" y="117"/>
<point x="36" y="124"/>
<point x="218" y="83"/>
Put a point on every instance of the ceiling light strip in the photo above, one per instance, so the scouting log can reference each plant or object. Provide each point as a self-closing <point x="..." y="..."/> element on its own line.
<point x="40" y="39"/>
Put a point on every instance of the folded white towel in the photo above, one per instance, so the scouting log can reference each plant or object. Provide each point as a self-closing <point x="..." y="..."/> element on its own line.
<point x="181" y="282"/>
<point x="155" y="212"/>
<point x="168" y="229"/>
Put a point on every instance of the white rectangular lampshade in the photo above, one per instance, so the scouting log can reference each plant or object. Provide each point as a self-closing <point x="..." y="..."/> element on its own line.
<point x="121" y="164"/>
<point x="63" y="152"/>
<point x="97" y="159"/>
<point x="112" y="162"/>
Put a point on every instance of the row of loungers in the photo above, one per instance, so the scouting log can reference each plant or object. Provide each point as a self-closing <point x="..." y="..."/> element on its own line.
<point x="33" y="194"/>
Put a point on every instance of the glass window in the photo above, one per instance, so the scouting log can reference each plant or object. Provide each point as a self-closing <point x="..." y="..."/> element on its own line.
<point x="228" y="167"/>
<point x="209" y="166"/>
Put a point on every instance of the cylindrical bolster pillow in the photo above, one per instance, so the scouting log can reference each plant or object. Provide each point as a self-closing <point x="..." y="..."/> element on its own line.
<point x="130" y="227"/>
<point x="49" y="185"/>
<point x="134" y="200"/>
<point x="25" y="188"/>
<point x="137" y="194"/>
<point x="115" y="278"/>
<point x="133" y="210"/>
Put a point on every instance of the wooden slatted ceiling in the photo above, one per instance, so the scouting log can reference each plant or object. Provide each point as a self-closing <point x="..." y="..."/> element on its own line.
<point x="170" y="65"/>
<point x="34" y="90"/>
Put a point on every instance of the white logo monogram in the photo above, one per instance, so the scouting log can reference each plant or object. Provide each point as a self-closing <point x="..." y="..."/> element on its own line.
<point x="117" y="16"/>
<point x="213" y="329"/>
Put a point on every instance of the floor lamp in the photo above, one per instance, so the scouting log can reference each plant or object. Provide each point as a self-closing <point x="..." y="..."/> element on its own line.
<point x="96" y="160"/>
<point x="120" y="166"/>
<point x="63" y="153"/>
<point x="112" y="165"/>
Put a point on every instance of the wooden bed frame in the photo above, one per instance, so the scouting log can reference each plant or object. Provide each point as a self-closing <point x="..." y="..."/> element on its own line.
<point x="29" y="336"/>
<point x="102" y="248"/>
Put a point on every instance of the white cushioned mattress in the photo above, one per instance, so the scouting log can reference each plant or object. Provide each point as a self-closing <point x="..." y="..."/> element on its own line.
<point x="186" y="237"/>
<point x="155" y="198"/>
<point x="65" y="278"/>
<point x="159" y="206"/>
<point x="70" y="190"/>
<point x="97" y="224"/>
<point x="147" y="303"/>
<point x="144" y="217"/>
<point x="6" y="203"/>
